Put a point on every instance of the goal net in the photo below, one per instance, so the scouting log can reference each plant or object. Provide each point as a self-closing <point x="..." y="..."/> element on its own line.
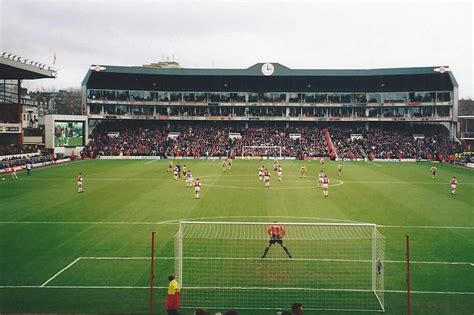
<point x="261" y="150"/>
<point x="333" y="266"/>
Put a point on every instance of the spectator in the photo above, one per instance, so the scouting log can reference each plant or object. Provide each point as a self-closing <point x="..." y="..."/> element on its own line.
<point x="201" y="311"/>
<point x="297" y="309"/>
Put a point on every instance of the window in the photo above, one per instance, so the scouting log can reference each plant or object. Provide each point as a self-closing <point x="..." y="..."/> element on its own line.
<point x="200" y="97"/>
<point x="122" y="95"/>
<point x="110" y="94"/>
<point x="443" y="96"/>
<point x="374" y="98"/>
<point x="345" y="98"/>
<point x="334" y="98"/>
<point x="293" y="98"/>
<point x="426" y="97"/>
<point x="395" y="97"/>
<point x="321" y="98"/>
<point x="310" y="97"/>
<point x="94" y="94"/>
<point x="237" y="97"/>
<point x="253" y="97"/>
<point x="176" y="97"/>
<point x="188" y="97"/>
<point x="136" y="95"/>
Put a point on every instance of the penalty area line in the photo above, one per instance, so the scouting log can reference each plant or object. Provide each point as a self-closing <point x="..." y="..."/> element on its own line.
<point x="60" y="272"/>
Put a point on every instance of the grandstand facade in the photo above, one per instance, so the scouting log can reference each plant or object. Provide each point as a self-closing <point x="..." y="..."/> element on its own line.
<point x="176" y="111"/>
<point x="271" y="92"/>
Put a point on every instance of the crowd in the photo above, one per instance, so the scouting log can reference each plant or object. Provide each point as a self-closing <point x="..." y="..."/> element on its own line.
<point x="392" y="144"/>
<point x="17" y="149"/>
<point x="16" y="161"/>
<point x="204" y="140"/>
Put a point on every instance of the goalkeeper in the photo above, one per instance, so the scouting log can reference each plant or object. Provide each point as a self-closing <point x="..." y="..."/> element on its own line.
<point x="276" y="233"/>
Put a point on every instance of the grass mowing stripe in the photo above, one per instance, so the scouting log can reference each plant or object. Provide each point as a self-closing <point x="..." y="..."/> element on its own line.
<point x="253" y="180"/>
<point x="210" y="288"/>
<point x="176" y="221"/>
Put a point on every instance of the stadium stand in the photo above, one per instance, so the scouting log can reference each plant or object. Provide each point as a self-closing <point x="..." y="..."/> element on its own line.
<point x="213" y="140"/>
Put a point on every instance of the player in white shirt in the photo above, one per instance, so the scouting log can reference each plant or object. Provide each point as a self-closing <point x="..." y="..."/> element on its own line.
<point x="79" y="183"/>
<point x="189" y="179"/>
<point x="175" y="173"/>
<point x="266" y="176"/>
<point x="197" y="188"/>
<point x="260" y="173"/>
<point x="320" y="179"/>
<point x="280" y="170"/>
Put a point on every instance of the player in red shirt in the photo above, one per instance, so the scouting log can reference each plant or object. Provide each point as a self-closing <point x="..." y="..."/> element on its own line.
<point x="266" y="177"/>
<point x="276" y="232"/>
<point x="13" y="172"/>
<point x="197" y="188"/>
<point x="454" y="184"/>
<point x="326" y="186"/>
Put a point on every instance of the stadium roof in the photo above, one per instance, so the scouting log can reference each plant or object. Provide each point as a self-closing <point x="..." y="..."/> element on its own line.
<point x="146" y="78"/>
<point x="280" y="70"/>
<point x="13" y="67"/>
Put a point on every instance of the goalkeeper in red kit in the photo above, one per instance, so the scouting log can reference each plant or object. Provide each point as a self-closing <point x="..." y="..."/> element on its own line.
<point x="276" y="233"/>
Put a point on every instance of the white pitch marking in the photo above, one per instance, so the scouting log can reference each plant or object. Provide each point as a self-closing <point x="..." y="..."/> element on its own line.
<point x="91" y="222"/>
<point x="210" y="288"/>
<point x="151" y="161"/>
<point x="125" y="258"/>
<point x="431" y="292"/>
<point x="370" y="162"/>
<point x="426" y="227"/>
<point x="176" y="221"/>
<point x="60" y="271"/>
<point x="281" y="259"/>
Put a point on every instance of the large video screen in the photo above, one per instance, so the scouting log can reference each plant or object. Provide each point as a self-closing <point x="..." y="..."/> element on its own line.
<point x="68" y="133"/>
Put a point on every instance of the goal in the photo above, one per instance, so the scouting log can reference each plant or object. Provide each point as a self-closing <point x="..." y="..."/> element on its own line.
<point x="333" y="266"/>
<point x="261" y="150"/>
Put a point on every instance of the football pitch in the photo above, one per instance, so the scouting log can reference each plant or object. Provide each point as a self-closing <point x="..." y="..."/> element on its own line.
<point x="65" y="252"/>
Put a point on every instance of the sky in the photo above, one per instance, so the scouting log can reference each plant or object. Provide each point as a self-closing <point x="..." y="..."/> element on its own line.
<point x="238" y="34"/>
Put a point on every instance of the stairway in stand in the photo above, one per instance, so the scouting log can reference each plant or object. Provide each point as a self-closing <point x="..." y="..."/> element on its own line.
<point x="332" y="149"/>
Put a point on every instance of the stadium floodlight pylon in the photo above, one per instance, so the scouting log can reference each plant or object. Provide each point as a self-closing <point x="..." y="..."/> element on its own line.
<point x="271" y="151"/>
<point x="334" y="266"/>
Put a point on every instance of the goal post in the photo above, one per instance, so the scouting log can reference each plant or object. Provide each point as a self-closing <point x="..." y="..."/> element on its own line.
<point x="333" y="266"/>
<point x="261" y="150"/>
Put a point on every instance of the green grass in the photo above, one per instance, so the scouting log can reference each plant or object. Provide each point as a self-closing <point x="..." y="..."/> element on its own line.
<point x="70" y="141"/>
<point x="46" y="225"/>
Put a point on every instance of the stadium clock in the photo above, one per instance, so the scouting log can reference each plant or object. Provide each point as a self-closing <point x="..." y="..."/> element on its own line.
<point x="268" y="69"/>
